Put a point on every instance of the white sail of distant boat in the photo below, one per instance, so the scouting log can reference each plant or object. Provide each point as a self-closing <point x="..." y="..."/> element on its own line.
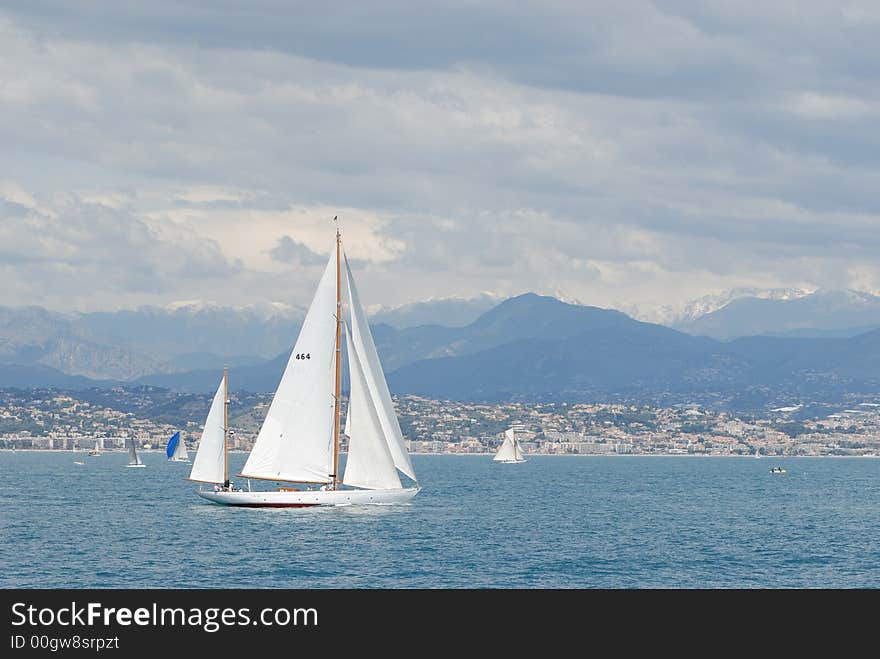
<point x="758" y="452"/>
<point x="134" y="459"/>
<point x="176" y="449"/>
<point x="510" y="449"/>
<point x="97" y="450"/>
<point x="299" y="439"/>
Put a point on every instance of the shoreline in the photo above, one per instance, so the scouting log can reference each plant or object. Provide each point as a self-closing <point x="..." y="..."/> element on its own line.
<point x="484" y="455"/>
<point x="654" y="455"/>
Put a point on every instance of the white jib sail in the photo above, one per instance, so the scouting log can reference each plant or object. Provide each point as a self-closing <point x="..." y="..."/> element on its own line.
<point x="133" y="458"/>
<point x="519" y="451"/>
<point x="369" y="463"/>
<point x="507" y="450"/>
<point x="296" y="440"/>
<point x="208" y="465"/>
<point x="365" y="349"/>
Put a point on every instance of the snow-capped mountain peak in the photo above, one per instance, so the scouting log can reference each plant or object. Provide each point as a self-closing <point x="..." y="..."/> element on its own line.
<point x="678" y="315"/>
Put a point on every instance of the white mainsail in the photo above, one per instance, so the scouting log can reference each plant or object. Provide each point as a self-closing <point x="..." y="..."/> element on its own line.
<point x="370" y="464"/>
<point x="376" y="387"/>
<point x="209" y="465"/>
<point x="295" y="442"/>
<point x="133" y="458"/>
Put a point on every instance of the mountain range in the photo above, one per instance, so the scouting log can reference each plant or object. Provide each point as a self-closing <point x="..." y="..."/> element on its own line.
<point x="527" y="347"/>
<point x="562" y="351"/>
<point x="818" y="314"/>
<point x="449" y="312"/>
<point x="124" y="345"/>
<point x="679" y="316"/>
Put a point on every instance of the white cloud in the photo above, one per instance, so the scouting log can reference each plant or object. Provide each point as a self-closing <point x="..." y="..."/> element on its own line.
<point x="639" y="154"/>
<point x="825" y="106"/>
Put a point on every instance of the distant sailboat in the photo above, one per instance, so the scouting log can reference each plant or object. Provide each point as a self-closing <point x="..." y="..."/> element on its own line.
<point x="134" y="459"/>
<point x="758" y="452"/>
<point x="97" y="450"/>
<point x="510" y="449"/>
<point x="176" y="449"/>
<point x="299" y="439"/>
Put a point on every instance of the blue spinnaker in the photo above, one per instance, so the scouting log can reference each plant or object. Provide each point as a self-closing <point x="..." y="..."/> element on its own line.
<point x="172" y="444"/>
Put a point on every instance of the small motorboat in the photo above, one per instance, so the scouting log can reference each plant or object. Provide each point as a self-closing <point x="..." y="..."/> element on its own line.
<point x="777" y="470"/>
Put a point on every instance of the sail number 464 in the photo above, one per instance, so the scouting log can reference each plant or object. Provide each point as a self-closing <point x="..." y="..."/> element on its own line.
<point x="303" y="355"/>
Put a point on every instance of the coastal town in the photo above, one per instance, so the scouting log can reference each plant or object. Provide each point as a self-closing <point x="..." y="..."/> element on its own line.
<point x="70" y="420"/>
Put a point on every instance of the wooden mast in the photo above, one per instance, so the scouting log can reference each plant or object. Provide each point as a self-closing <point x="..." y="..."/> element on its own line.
<point x="225" y="427"/>
<point x="338" y="361"/>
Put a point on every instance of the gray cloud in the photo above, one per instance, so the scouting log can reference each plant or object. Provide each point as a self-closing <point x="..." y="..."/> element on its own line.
<point x="637" y="154"/>
<point x="92" y="252"/>
<point x="291" y="252"/>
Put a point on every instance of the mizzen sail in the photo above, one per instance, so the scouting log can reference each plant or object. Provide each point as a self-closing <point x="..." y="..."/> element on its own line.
<point x="209" y="463"/>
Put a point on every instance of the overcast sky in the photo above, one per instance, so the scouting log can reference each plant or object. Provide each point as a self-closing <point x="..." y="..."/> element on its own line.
<point x="624" y="154"/>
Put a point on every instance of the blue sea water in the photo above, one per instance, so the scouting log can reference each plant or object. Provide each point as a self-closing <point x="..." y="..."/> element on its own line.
<point x="565" y="522"/>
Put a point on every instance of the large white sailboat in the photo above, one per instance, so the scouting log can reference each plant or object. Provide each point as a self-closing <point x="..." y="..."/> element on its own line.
<point x="299" y="440"/>
<point x="510" y="449"/>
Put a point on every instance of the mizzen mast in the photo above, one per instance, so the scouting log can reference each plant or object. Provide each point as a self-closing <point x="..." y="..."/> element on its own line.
<point x="225" y="427"/>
